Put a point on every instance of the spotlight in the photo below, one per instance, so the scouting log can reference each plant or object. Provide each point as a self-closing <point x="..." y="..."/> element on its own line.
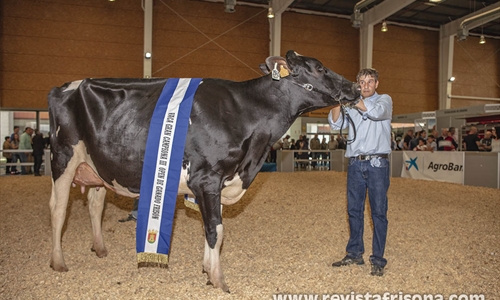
<point x="229" y="6"/>
<point x="384" y="27"/>
<point x="270" y="13"/>
<point x="147" y="55"/>
<point x="482" y="40"/>
<point x="452" y="78"/>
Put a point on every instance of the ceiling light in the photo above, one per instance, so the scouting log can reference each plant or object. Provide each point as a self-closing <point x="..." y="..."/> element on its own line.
<point x="435" y="1"/>
<point x="482" y="40"/>
<point x="384" y="27"/>
<point x="147" y="55"/>
<point x="452" y="78"/>
<point x="229" y="6"/>
<point x="270" y="13"/>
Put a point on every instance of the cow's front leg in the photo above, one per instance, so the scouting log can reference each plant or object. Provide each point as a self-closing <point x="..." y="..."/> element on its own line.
<point x="96" y="207"/>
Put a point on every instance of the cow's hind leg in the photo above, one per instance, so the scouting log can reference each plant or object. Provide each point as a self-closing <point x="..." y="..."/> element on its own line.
<point x="58" y="204"/>
<point x="211" y="262"/>
<point x="96" y="207"/>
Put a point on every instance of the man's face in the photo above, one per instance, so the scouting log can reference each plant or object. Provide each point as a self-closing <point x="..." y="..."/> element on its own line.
<point x="368" y="86"/>
<point x="487" y="135"/>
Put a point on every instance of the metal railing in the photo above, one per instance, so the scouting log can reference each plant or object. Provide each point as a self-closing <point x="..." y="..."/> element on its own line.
<point x="3" y="161"/>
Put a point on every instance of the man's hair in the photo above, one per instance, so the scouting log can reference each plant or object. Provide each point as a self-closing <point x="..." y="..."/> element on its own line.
<point x="7" y="137"/>
<point x="367" y="72"/>
<point x="15" y="127"/>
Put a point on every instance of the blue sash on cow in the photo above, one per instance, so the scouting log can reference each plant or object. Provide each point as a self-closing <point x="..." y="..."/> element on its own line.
<point x="161" y="171"/>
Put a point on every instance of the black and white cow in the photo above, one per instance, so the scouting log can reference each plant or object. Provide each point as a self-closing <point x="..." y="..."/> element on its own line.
<point x="99" y="127"/>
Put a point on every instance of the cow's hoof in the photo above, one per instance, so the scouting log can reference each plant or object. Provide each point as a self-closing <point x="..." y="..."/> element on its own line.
<point x="59" y="268"/>
<point x="100" y="253"/>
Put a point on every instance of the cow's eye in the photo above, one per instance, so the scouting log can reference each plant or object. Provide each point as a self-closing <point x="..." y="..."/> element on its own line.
<point x="320" y="69"/>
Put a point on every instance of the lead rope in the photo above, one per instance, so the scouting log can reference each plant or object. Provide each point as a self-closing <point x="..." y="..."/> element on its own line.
<point x="345" y="115"/>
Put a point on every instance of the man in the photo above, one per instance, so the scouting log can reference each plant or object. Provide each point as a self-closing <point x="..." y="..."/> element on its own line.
<point x="38" y="149"/>
<point x="315" y="144"/>
<point x="16" y="131"/>
<point x="485" y="144"/>
<point x="439" y="140"/>
<point x="25" y="144"/>
<point x="7" y="155"/>
<point x="407" y="139"/>
<point x="368" y="169"/>
<point x="472" y="140"/>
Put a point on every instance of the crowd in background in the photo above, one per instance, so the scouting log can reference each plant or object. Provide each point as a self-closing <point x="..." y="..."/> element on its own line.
<point x="446" y="140"/>
<point x="31" y="140"/>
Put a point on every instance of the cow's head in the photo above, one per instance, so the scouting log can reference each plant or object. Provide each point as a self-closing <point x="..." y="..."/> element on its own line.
<point x="310" y="74"/>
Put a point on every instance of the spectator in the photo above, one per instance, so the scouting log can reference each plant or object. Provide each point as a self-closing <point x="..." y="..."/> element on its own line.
<point x="286" y="143"/>
<point x="341" y="143"/>
<point x="332" y="143"/>
<point x="472" y="141"/>
<point x="454" y="135"/>
<point x="431" y="144"/>
<point x="292" y="144"/>
<point x="407" y="139"/>
<point x="7" y="155"/>
<point x="315" y="145"/>
<point x="421" y="146"/>
<point x="303" y="153"/>
<point x="14" y="143"/>
<point x="25" y="144"/>
<point x="420" y="135"/>
<point x="495" y="139"/>
<point x="16" y="131"/>
<point x="444" y="135"/>
<point x="485" y="143"/>
<point x="38" y="149"/>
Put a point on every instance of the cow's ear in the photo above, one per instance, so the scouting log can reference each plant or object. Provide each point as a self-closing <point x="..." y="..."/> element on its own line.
<point x="279" y="63"/>
<point x="264" y="69"/>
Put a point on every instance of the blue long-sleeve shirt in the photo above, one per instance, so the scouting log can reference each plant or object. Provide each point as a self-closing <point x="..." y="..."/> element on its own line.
<point x="373" y="127"/>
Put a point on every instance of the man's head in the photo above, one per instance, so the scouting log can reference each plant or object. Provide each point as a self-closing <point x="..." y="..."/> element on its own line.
<point x="473" y="130"/>
<point x="16" y="129"/>
<point x="7" y="138"/>
<point x="487" y="135"/>
<point x="410" y="132"/>
<point x="29" y="130"/>
<point x="368" y="80"/>
<point x="444" y="132"/>
<point x="430" y="138"/>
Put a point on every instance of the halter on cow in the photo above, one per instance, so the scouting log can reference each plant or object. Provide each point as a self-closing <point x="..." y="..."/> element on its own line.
<point x="99" y="129"/>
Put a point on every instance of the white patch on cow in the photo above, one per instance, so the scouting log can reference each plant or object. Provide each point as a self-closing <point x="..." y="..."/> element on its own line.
<point x="73" y="85"/>
<point x="183" y="187"/>
<point x="119" y="189"/>
<point x="233" y="191"/>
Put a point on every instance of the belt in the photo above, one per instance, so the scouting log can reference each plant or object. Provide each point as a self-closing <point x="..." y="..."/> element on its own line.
<point x="369" y="157"/>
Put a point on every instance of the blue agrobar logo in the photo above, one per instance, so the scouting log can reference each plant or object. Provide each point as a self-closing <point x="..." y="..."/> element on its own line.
<point x="445" y="167"/>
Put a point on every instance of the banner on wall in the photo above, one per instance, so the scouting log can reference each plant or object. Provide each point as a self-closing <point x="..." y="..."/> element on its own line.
<point x="439" y="166"/>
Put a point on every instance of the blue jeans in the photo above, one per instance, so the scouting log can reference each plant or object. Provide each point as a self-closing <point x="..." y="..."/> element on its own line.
<point x="371" y="175"/>
<point x="23" y="157"/>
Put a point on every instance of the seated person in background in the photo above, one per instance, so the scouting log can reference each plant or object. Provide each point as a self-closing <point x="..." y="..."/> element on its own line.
<point x="431" y="144"/>
<point x="485" y="143"/>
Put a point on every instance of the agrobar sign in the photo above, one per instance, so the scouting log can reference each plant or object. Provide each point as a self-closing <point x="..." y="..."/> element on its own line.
<point x="440" y="166"/>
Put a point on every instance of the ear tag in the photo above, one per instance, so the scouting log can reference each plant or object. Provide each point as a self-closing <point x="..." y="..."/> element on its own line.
<point x="284" y="72"/>
<point x="275" y="72"/>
